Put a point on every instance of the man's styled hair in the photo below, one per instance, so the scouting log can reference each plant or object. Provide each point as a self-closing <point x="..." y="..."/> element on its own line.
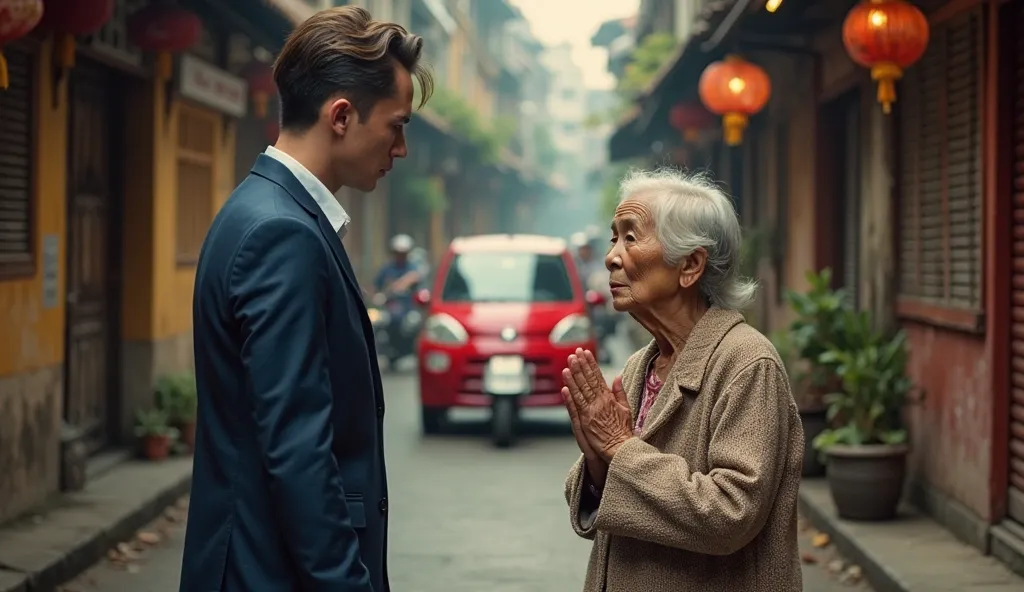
<point x="343" y="51"/>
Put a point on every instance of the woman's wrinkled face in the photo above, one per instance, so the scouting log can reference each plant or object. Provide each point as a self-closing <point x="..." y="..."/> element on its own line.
<point x="639" y="275"/>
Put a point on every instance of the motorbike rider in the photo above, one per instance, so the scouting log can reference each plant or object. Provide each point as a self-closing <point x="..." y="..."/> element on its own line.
<point x="594" y="276"/>
<point x="398" y="279"/>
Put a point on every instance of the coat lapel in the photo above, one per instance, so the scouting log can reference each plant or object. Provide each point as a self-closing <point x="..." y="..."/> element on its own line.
<point x="687" y="373"/>
<point x="275" y="172"/>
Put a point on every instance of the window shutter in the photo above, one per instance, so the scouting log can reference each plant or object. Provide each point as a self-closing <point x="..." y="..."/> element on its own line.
<point x="16" y="127"/>
<point x="940" y="181"/>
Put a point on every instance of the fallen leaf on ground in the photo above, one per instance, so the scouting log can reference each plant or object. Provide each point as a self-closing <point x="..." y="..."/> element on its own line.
<point x="836" y="566"/>
<point x="851" y="575"/>
<point x="820" y="540"/>
<point x="808" y="557"/>
<point x="149" y="538"/>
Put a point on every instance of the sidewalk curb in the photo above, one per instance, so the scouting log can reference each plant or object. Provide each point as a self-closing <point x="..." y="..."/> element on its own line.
<point x="876" y="573"/>
<point x="73" y="561"/>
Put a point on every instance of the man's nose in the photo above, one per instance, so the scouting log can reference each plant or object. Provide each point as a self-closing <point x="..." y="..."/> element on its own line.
<point x="400" y="149"/>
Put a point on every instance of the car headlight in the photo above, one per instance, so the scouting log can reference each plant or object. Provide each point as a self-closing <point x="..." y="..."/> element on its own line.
<point x="574" y="328"/>
<point x="443" y="328"/>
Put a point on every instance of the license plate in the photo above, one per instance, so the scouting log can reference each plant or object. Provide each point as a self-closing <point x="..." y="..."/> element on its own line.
<point x="506" y="375"/>
<point x="505" y="365"/>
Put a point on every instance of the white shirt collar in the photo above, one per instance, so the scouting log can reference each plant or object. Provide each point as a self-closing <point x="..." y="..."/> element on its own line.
<point x="336" y="214"/>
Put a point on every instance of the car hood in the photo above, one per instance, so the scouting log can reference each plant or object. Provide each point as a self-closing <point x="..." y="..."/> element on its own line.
<point x="490" y="318"/>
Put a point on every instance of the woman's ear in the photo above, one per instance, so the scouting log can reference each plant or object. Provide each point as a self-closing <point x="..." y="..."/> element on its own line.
<point x="692" y="267"/>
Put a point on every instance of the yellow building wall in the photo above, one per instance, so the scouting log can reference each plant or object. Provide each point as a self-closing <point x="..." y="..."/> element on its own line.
<point x="166" y="309"/>
<point x="32" y="337"/>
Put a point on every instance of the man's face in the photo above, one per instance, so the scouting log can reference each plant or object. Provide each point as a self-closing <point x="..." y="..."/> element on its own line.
<point x="368" y="146"/>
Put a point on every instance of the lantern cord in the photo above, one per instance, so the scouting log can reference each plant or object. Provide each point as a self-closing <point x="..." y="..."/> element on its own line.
<point x="66" y="51"/>
<point x="5" y="79"/>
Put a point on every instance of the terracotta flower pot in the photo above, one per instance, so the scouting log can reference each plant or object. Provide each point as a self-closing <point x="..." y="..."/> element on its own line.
<point x="866" y="482"/>
<point x="156" y="447"/>
<point x="188" y="434"/>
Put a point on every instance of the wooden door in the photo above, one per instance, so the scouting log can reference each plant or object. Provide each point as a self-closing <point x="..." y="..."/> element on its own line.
<point x="90" y="384"/>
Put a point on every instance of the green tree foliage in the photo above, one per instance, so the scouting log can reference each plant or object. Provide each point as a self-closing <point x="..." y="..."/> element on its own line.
<point x="487" y="137"/>
<point x="645" y="61"/>
<point x="420" y="193"/>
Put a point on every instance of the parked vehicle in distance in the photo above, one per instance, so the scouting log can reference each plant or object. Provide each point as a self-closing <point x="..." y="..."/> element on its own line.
<point x="505" y="312"/>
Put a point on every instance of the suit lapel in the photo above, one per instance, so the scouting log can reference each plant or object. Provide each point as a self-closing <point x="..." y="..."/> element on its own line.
<point x="277" y="173"/>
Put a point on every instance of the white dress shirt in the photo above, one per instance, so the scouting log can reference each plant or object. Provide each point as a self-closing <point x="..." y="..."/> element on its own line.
<point x="329" y="205"/>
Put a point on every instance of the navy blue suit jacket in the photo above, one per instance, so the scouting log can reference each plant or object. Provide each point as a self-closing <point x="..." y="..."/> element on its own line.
<point x="289" y="491"/>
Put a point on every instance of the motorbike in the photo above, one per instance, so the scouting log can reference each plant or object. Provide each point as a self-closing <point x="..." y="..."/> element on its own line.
<point x="396" y="328"/>
<point x="506" y="381"/>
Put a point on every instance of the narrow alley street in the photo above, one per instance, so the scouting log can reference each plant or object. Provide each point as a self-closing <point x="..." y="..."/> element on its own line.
<point x="466" y="517"/>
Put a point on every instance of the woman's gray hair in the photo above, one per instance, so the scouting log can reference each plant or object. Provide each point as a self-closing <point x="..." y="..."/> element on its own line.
<point x="690" y="211"/>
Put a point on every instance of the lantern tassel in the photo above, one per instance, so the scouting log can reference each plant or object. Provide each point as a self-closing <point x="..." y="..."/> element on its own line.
<point x="5" y="79"/>
<point x="66" y="51"/>
<point x="164" y="65"/>
<point x="260" y="101"/>
<point x="886" y="74"/>
<point x="734" y="124"/>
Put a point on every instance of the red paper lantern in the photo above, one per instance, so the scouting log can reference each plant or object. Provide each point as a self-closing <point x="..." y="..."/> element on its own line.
<point x="887" y="36"/>
<point x="261" y="86"/>
<point x="164" y="28"/>
<point x="68" y="18"/>
<point x="690" y="119"/>
<point x="735" y="89"/>
<point x="17" y="19"/>
<point x="272" y="131"/>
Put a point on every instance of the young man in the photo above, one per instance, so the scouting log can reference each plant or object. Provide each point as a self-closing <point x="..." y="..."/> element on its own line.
<point x="289" y="489"/>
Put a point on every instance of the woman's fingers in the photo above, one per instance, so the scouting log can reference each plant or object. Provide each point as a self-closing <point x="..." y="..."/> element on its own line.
<point x="592" y="371"/>
<point x="576" y="368"/>
<point x="575" y="392"/>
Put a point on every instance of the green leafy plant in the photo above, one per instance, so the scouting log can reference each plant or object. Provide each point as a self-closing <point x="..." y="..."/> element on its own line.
<point x="488" y="138"/>
<point x="872" y="367"/>
<point x="644" y="63"/>
<point x="176" y="396"/>
<point x="818" y="327"/>
<point x="153" y="423"/>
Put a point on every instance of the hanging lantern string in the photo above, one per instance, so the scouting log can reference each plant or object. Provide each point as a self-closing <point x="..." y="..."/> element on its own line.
<point x="66" y="50"/>
<point x="5" y="78"/>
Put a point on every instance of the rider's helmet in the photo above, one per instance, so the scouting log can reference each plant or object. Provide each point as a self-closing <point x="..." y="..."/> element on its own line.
<point x="578" y="240"/>
<point x="401" y="243"/>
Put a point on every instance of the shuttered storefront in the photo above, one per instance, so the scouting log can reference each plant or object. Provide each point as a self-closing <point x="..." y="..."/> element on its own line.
<point x="940" y="169"/>
<point x="1016" y="468"/>
<point x="16" y="210"/>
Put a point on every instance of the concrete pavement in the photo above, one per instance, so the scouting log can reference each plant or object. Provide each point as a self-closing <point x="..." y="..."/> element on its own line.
<point x="466" y="517"/>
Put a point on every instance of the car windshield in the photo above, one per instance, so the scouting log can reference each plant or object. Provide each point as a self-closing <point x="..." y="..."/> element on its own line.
<point x="507" y="277"/>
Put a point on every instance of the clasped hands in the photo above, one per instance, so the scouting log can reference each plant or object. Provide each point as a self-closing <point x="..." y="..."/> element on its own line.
<point x="600" y="415"/>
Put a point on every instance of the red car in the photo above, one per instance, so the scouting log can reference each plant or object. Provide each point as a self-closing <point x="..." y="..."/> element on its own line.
<point x="505" y="313"/>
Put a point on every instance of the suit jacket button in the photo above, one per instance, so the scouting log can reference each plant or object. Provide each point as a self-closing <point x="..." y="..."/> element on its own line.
<point x="380" y="411"/>
<point x="383" y="505"/>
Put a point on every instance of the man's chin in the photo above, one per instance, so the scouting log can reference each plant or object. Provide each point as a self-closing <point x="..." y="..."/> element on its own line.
<point x="366" y="186"/>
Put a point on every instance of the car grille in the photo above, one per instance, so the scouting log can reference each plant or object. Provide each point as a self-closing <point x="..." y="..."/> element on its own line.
<point x="542" y="371"/>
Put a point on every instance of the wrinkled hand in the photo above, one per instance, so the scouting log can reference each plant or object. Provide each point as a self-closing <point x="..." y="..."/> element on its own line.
<point x="602" y="413"/>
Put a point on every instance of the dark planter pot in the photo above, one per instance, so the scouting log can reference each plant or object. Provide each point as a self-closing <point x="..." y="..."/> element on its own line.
<point x="866" y="482"/>
<point x="814" y="422"/>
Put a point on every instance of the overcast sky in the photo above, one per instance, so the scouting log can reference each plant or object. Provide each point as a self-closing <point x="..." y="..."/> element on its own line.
<point x="574" y="21"/>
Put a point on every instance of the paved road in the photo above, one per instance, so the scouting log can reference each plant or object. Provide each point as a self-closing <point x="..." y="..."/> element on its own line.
<point x="465" y="516"/>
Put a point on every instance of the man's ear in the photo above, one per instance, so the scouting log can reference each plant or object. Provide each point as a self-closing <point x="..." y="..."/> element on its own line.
<point x="341" y="113"/>
<point x="692" y="267"/>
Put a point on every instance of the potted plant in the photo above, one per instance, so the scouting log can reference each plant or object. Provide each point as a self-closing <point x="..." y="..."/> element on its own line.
<point x="176" y="396"/>
<point x="154" y="433"/>
<point x="817" y="326"/>
<point x="866" y="447"/>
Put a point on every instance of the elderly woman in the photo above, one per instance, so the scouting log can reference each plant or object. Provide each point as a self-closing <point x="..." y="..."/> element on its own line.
<point x="691" y="458"/>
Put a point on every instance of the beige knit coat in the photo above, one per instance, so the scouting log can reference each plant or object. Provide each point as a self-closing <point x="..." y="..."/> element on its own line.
<point x="705" y="500"/>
